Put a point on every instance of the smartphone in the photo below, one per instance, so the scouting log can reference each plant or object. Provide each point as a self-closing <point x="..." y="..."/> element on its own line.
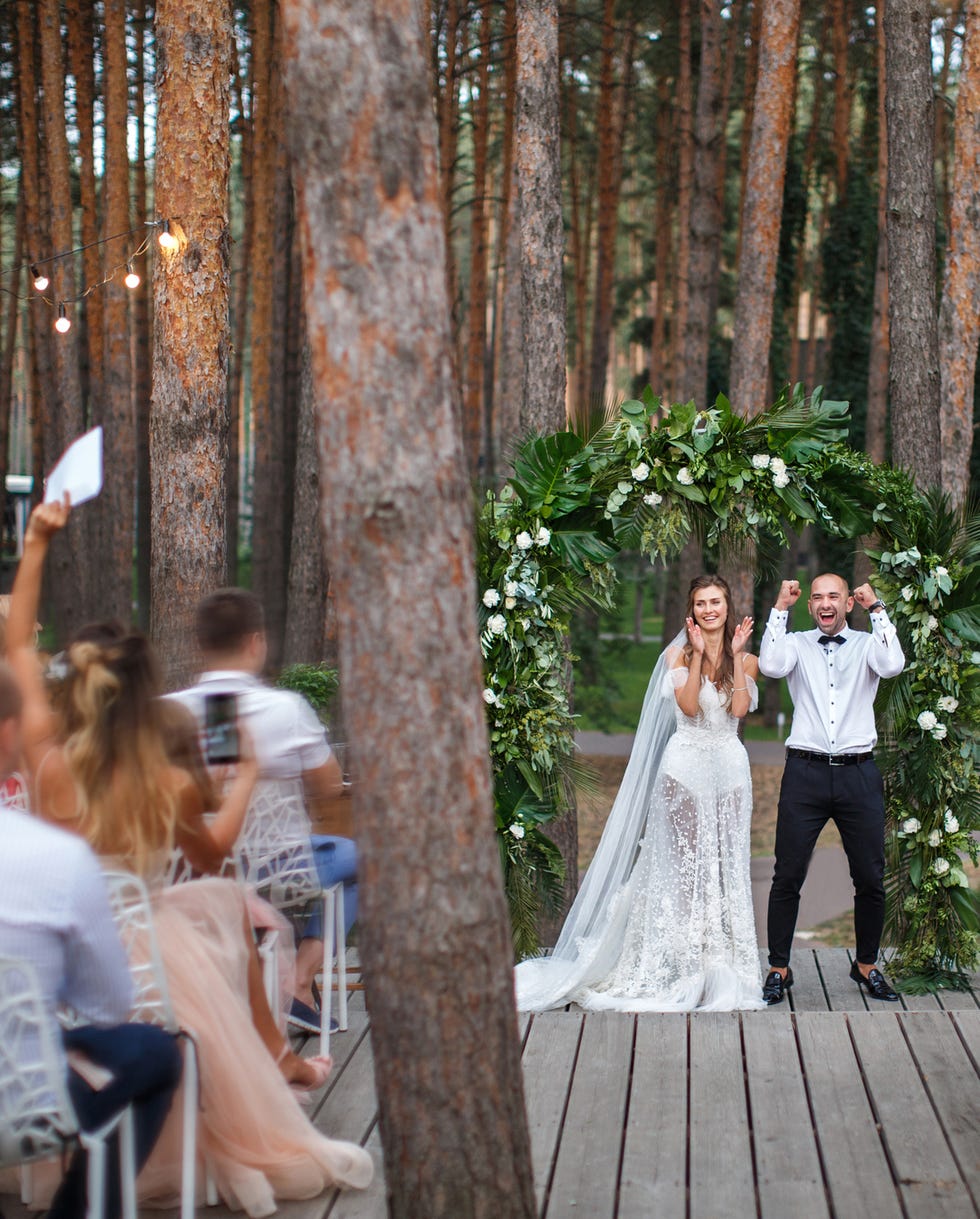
<point x="221" y="741"/>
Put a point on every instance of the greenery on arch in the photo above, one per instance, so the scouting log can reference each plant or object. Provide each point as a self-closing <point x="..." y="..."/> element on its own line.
<point x="649" y="479"/>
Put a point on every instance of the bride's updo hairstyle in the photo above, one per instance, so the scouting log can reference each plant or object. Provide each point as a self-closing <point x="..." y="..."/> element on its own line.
<point x="724" y="679"/>
<point x="109" y="704"/>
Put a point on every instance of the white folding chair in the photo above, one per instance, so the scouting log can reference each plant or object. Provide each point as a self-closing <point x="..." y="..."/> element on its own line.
<point x="133" y="914"/>
<point x="277" y="860"/>
<point x="37" y="1119"/>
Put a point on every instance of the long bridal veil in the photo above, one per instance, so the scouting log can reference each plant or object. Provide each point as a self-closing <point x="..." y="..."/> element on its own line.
<point x="592" y="937"/>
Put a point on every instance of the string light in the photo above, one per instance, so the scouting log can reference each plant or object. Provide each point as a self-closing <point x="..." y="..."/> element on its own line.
<point x="41" y="281"/>
<point x="132" y="280"/>
<point x="166" y="239"/>
<point x="63" y="323"/>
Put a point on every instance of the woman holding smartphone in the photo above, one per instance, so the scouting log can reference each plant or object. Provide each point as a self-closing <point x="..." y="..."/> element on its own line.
<point x="95" y="751"/>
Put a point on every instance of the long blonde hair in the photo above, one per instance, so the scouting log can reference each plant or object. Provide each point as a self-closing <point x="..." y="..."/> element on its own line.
<point x="114" y="746"/>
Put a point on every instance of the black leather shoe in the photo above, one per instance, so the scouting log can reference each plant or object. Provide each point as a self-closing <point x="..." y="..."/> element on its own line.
<point x="874" y="984"/>
<point x="776" y="986"/>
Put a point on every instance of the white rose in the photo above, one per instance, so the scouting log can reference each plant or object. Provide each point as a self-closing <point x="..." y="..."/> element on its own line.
<point x="542" y="537"/>
<point x="497" y="624"/>
<point x="939" y="732"/>
<point x="760" y="461"/>
<point x="975" y="658"/>
<point x="510" y="588"/>
<point x="935" y="838"/>
<point x="940" y="866"/>
<point x="940" y="571"/>
<point x="780" y="480"/>
<point x="908" y="592"/>
<point x="517" y="830"/>
<point x="927" y="721"/>
<point x="509" y="602"/>
<point x="911" y="826"/>
<point x="524" y="541"/>
<point x="777" y="465"/>
<point x="950" y="822"/>
<point x="489" y="697"/>
<point x="947" y="703"/>
<point x="641" y="472"/>
<point x="931" y="623"/>
<point x="653" y="499"/>
<point x="685" y="477"/>
<point x="491" y="598"/>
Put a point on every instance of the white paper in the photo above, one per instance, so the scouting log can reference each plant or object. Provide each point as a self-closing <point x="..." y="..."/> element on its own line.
<point x="79" y="472"/>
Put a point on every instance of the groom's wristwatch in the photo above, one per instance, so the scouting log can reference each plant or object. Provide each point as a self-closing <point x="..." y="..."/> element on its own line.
<point x="876" y="605"/>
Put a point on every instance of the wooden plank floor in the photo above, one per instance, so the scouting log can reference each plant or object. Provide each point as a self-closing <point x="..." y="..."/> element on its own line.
<point x="828" y="1107"/>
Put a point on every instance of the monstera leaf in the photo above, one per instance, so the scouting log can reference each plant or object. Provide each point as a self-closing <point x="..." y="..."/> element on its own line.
<point x="552" y="476"/>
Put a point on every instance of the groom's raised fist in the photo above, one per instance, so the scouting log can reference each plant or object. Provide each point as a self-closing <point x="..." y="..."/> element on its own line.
<point x="789" y="594"/>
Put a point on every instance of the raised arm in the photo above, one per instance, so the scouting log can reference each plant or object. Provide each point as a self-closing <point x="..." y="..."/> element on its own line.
<point x="885" y="657"/>
<point x="746" y="666"/>
<point x="688" y="695"/>
<point x="777" y="653"/>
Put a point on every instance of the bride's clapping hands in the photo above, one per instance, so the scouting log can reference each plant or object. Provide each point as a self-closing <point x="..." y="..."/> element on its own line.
<point x="743" y="633"/>
<point x="695" y="636"/>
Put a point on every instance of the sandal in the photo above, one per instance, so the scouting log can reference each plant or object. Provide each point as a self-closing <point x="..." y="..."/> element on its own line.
<point x="322" y="1065"/>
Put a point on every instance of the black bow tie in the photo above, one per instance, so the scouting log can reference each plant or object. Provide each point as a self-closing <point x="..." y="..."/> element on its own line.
<point x="823" y="640"/>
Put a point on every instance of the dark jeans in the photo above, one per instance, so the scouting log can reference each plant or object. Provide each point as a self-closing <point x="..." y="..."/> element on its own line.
<point x="146" y="1065"/>
<point x="811" y="794"/>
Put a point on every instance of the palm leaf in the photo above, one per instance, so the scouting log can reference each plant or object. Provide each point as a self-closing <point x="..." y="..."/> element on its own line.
<point x="550" y="476"/>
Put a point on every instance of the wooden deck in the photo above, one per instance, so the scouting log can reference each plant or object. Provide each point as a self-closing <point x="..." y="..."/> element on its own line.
<point x="829" y="1107"/>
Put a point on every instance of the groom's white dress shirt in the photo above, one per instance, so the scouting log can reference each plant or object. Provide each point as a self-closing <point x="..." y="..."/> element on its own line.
<point x="832" y="685"/>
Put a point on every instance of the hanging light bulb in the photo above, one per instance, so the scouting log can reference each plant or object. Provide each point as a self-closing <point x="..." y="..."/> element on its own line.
<point x="63" y="323"/>
<point x="166" y="239"/>
<point x="41" y="281"/>
<point x="132" y="280"/>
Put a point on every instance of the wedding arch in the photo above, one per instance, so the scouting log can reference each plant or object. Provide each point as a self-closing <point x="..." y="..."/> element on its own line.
<point x="648" y="480"/>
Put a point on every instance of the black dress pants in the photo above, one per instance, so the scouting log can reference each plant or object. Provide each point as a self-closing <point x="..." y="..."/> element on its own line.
<point x="811" y="794"/>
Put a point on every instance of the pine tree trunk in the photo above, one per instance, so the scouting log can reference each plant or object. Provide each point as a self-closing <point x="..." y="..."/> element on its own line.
<point x="14" y="287"/>
<point x="141" y="343"/>
<point x="118" y="525"/>
<point x="659" y="373"/>
<point x="679" y="382"/>
<point x="877" y="411"/>
<point x="70" y="557"/>
<point x="447" y="1062"/>
<point x="307" y="568"/>
<point x="959" y="324"/>
<point x="705" y="216"/>
<point x="914" y="373"/>
<point x="81" y="58"/>
<point x="447" y="110"/>
<point x="476" y="327"/>
<point x="762" y="207"/>
<point x="542" y="228"/>
<point x="188" y="412"/>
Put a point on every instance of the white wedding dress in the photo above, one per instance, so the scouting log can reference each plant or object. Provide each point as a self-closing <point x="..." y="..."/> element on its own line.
<point x="663" y="920"/>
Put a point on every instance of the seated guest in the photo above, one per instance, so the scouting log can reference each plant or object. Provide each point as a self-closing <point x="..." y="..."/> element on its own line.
<point x="292" y="751"/>
<point x="54" y="912"/>
<point x="95" y="750"/>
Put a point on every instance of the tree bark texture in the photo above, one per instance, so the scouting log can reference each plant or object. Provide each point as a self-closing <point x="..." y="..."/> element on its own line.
<point x="878" y="359"/>
<point x="117" y="500"/>
<point x="306" y="600"/>
<point x="476" y="327"/>
<point x="762" y="205"/>
<point x="69" y="562"/>
<point x="914" y="381"/>
<point x="141" y="340"/>
<point x="435" y="935"/>
<point x="189" y="410"/>
<point x="959" y="323"/>
<point x="685" y="191"/>
<point x="705" y="219"/>
<point x="542" y="228"/>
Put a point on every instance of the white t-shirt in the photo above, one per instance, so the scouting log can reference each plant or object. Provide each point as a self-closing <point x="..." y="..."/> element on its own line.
<point x="287" y="737"/>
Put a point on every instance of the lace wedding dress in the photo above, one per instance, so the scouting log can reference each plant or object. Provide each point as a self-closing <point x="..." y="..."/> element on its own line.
<point x="664" y="919"/>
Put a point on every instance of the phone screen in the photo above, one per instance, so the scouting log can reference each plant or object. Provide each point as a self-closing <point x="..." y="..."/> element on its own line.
<point x="220" y="728"/>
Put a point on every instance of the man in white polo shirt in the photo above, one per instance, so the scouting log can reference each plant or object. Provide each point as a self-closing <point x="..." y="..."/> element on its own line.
<point x="833" y="674"/>
<point x="292" y="751"/>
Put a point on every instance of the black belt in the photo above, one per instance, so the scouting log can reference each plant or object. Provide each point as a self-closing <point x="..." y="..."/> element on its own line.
<point x="830" y="759"/>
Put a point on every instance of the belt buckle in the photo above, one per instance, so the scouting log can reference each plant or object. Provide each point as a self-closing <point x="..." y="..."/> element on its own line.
<point x="836" y="760"/>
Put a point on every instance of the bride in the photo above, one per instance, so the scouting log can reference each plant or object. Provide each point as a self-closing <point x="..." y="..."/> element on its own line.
<point x="663" y="919"/>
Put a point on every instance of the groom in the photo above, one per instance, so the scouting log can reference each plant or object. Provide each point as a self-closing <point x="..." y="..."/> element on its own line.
<point x="833" y="675"/>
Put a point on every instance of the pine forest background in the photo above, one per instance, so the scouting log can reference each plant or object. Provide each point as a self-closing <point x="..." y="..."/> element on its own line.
<point x="657" y="102"/>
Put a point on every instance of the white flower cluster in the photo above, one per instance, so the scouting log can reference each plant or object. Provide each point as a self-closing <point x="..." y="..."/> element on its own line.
<point x="940" y="866"/>
<point x="685" y="477"/>
<point x="524" y="541"/>
<point x="911" y="826"/>
<point x="780" y="475"/>
<point x="517" y="830"/>
<point x="641" y="472"/>
<point x="928" y="722"/>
